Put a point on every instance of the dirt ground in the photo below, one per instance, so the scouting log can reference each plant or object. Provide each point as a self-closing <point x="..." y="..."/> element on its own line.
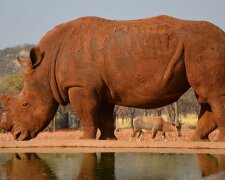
<point x="68" y="141"/>
<point x="123" y="135"/>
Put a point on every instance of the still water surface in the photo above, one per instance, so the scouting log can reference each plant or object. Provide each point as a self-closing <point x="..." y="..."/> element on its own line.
<point x="109" y="166"/>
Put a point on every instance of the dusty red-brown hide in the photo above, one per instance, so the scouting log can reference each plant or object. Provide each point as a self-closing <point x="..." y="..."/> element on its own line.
<point x="95" y="63"/>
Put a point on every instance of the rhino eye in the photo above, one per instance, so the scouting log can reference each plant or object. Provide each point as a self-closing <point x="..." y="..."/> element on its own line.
<point x="25" y="104"/>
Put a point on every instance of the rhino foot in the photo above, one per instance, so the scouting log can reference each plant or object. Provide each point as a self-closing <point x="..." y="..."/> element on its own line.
<point x="88" y="136"/>
<point x="221" y="136"/>
<point x="107" y="137"/>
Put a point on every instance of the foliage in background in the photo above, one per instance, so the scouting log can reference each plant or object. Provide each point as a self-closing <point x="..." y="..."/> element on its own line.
<point x="12" y="83"/>
<point x="8" y="61"/>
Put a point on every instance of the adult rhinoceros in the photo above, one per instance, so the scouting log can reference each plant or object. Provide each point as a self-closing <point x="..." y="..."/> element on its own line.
<point x="95" y="63"/>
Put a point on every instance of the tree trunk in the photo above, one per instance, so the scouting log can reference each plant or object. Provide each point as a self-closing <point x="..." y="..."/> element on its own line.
<point x="168" y="113"/>
<point x="63" y="121"/>
<point x="176" y="112"/>
<point x="132" y="114"/>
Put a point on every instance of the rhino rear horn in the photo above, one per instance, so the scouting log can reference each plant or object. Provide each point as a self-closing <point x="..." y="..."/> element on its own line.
<point x="7" y="100"/>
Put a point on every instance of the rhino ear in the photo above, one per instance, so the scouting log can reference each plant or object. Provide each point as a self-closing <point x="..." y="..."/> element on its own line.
<point x="36" y="56"/>
<point x="26" y="63"/>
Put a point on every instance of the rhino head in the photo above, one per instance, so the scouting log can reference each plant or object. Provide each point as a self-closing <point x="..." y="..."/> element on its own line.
<point x="31" y="111"/>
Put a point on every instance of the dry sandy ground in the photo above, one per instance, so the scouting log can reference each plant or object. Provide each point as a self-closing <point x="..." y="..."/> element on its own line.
<point x="122" y="134"/>
<point x="70" y="141"/>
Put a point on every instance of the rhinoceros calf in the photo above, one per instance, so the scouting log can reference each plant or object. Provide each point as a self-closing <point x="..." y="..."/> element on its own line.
<point x="154" y="124"/>
<point x="95" y="63"/>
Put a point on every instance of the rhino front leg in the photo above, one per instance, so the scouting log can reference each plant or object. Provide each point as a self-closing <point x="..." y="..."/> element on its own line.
<point x="106" y="122"/>
<point x="205" y="125"/>
<point x="85" y="105"/>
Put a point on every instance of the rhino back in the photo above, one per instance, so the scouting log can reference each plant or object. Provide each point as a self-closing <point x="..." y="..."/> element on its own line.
<point x="96" y="50"/>
<point x="97" y="53"/>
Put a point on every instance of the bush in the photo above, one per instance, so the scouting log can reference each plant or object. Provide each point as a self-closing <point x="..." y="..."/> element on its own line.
<point x="12" y="84"/>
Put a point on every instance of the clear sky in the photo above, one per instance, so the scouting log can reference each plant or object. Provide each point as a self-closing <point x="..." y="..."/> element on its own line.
<point x="26" y="21"/>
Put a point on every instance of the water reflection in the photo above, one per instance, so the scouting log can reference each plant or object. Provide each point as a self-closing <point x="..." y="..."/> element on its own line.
<point x="26" y="166"/>
<point x="88" y="166"/>
<point x="211" y="164"/>
<point x="92" y="169"/>
<point x="111" y="166"/>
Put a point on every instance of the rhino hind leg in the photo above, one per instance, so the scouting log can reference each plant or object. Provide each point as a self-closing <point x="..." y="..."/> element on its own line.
<point x="85" y="105"/>
<point x="205" y="124"/>
<point x="219" y="116"/>
<point x="106" y="122"/>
